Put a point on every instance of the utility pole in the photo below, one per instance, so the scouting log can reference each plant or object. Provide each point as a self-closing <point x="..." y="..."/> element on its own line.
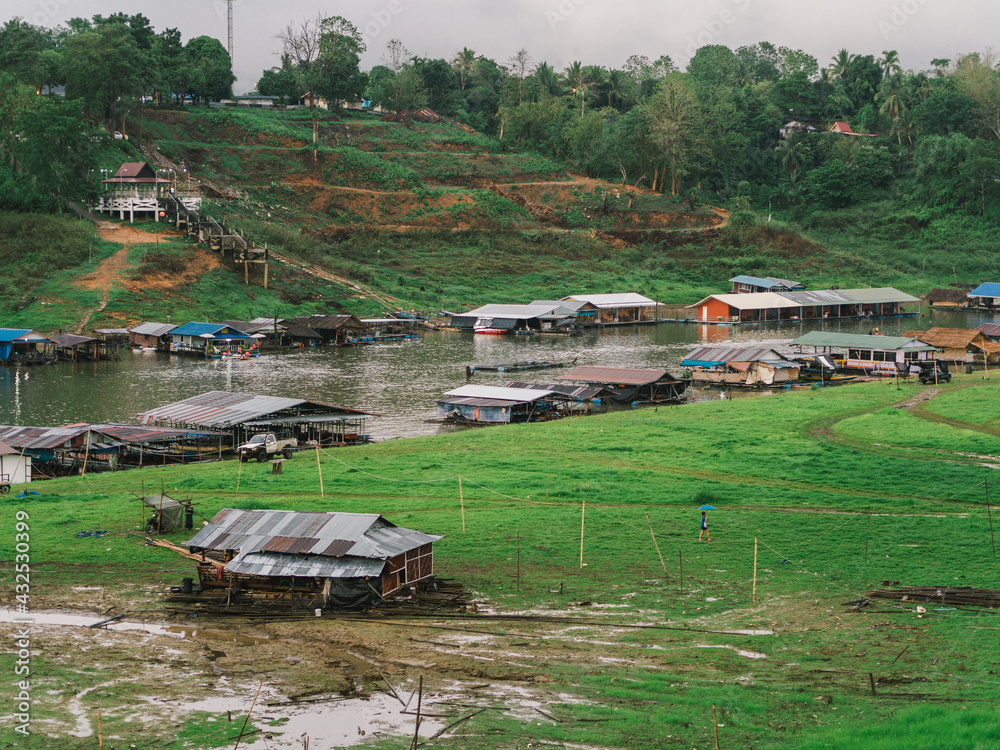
<point x="229" y="4"/>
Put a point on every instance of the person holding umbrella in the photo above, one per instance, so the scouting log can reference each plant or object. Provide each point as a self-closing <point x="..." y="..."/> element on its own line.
<point x="704" y="523"/>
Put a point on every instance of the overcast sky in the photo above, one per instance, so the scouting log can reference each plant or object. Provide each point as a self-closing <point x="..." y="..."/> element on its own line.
<point x="596" y="32"/>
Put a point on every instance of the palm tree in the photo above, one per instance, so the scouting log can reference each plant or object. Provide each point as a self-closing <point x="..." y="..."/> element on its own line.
<point x="892" y="103"/>
<point x="548" y="78"/>
<point x="840" y="62"/>
<point x="889" y="62"/>
<point x="617" y="87"/>
<point x="462" y="62"/>
<point x="905" y="126"/>
<point x="794" y="153"/>
<point x="579" y="78"/>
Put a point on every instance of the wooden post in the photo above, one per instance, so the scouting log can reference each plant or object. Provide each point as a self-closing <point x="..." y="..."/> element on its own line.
<point x="86" y="454"/>
<point x="989" y="514"/>
<point x="416" y="729"/>
<point x="656" y="545"/>
<point x="871" y="679"/>
<point x="680" y="568"/>
<point x="243" y="728"/>
<point x="753" y="597"/>
<point x="266" y="265"/>
<point x="100" y="733"/>
<point x="519" y="561"/>
<point x="320" y="470"/>
<point x="583" y="518"/>
<point x="868" y="527"/>
<point x="239" y="472"/>
<point x="461" y="501"/>
<point x="715" y="721"/>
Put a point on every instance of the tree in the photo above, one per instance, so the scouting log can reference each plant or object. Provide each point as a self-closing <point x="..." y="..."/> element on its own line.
<point x="439" y="82"/>
<point x="21" y="47"/>
<point x="209" y="69"/>
<point x="105" y="69"/>
<point x="548" y="79"/>
<point x="580" y="81"/>
<point x="977" y="78"/>
<point x="301" y="44"/>
<point x="463" y="63"/>
<point x="280" y="82"/>
<point x="794" y="152"/>
<point x="892" y="104"/>
<point x="713" y="66"/>
<point x="519" y="64"/>
<point x="676" y="129"/>
<point x="840" y="63"/>
<point x="340" y="50"/>
<point x="889" y="62"/>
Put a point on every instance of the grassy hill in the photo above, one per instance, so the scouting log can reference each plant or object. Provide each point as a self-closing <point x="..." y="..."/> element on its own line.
<point x="435" y="215"/>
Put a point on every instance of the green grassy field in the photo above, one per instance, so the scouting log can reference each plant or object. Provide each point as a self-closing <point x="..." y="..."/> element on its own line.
<point x="828" y="492"/>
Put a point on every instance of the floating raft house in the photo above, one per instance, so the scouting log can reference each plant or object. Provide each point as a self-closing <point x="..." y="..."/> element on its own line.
<point x="624" y="386"/>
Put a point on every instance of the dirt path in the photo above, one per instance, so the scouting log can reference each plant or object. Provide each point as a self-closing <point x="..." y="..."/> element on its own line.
<point x="112" y="268"/>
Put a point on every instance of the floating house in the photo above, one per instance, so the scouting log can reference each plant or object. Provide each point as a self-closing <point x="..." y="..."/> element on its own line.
<point x="986" y="295"/>
<point x="625" y="385"/>
<point x="74" y="348"/>
<point x="341" y="560"/>
<point x="761" y="307"/>
<point x="753" y="284"/>
<point x="57" y="450"/>
<point x="619" y="309"/>
<point x="334" y="330"/>
<point x="243" y="415"/>
<point x="741" y="367"/>
<point x="151" y="335"/>
<point x="960" y="345"/>
<point x="23" y="346"/>
<point x="14" y="467"/>
<point x="870" y="355"/>
<point x="514" y="319"/>
<point x="491" y="404"/>
<point x="142" y="445"/>
<point x="990" y="329"/>
<point x="585" y="312"/>
<point x="948" y="298"/>
<point x="207" y="339"/>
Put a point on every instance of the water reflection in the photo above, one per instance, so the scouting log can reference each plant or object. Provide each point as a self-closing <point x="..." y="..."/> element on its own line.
<point x="399" y="380"/>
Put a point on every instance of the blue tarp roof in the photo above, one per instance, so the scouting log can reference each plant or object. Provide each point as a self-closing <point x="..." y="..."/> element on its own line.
<point x="989" y="289"/>
<point x="200" y="329"/>
<point x="10" y="334"/>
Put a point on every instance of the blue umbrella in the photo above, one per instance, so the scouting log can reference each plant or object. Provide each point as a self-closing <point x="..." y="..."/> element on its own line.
<point x="706" y="507"/>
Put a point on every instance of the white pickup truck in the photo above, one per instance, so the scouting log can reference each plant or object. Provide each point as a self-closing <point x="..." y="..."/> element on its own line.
<point x="265" y="446"/>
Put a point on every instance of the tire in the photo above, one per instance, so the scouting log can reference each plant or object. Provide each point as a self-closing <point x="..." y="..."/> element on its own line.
<point x="4" y="489"/>
<point x="261" y="456"/>
<point x="287" y="451"/>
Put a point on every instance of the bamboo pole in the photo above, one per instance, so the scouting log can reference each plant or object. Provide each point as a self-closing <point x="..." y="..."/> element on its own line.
<point x="243" y="728"/>
<point x="680" y="567"/>
<point x="86" y="454"/>
<point x="239" y="472"/>
<point x="319" y="468"/>
<point x="100" y="732"/>
<point x="420" y="695"/>
<point x="715" y="721"/>
<point x="518" y="561"/>
<point x="656" y="545"/>
<point x="753" y="598"/>
<point x="461" y="500"/>
<point x="583" y="518"/>
<point x="868" y="526"/>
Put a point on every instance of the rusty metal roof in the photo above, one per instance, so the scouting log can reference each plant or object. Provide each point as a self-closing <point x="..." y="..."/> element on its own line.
<point x="285" y="533"/>
<point x="329" y="322"/>
<point x="707" y="355"/>
<point x="618" y="375"/>
<point x="217" y="409"/>
<point x="130" y="433"/>
<point x="49" y="438"/>
<point x="303" y="566"/>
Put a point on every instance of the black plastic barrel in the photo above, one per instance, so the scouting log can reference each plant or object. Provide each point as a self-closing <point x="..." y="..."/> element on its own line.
<point x="187" y="585"/>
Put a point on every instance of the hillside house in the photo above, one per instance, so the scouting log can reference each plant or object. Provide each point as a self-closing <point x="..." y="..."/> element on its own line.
<point x="341" y="560"/>
<point x="752" y="284"/>
<point x="960" y="345"/>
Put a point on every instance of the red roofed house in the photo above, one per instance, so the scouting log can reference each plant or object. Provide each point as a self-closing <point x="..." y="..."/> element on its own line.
<point x="845" y="129"/>
<point x="136" y="188"/>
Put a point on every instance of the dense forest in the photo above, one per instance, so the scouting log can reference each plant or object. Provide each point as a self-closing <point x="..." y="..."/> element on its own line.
<point x="925" y="141"/>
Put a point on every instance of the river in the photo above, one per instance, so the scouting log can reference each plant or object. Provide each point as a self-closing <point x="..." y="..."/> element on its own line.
<point x="400" y="381"/>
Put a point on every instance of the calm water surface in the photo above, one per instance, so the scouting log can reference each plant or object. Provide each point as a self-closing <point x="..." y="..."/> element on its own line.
<point x="398" y="380"/>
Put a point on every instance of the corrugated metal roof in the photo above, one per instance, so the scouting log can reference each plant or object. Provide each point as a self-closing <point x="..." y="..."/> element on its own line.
<point x="323" y="534"/>
<point x="616" y="375"/>
<point x="501" y="393"/>
<point x="878" y="294"/>
<point x="223" y="409"/>
<point x="329" y="322"/>
<point x="818" y="297"/>
<point x="768" y="282"/>
<point x="304" y="566"/>
<point x="472" y="401"/>
<point x="130" y="433"/>
<point x="989" y="289"/>
<point x="990" y="329"/>
<point x="67" y="340"/>
<point x="712" y="355"/>
<point x="625" y="299"/>
<point x="518" y="312"/>
<point x="48" y="438"/>
<point x="152" y="329"/>
<point x="563" y="389"/>
<point x="752" y="301"/>
<point x="861" y="341"/>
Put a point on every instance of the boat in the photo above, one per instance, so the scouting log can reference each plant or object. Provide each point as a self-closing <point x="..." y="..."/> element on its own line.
<point x="822" y="368"/>
<point x="517" y="366"/>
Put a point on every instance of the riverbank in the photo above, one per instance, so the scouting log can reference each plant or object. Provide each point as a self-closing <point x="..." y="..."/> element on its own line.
<point x="837" y="490"/>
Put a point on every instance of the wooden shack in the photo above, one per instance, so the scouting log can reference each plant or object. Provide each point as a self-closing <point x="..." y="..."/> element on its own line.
<point x="15" y="468"/>
<point x="342" y="560"/>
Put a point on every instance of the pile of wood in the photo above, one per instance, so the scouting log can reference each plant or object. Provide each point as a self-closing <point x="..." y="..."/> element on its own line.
<point x="432" y="595"/>
<point x="953" y="596"/>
